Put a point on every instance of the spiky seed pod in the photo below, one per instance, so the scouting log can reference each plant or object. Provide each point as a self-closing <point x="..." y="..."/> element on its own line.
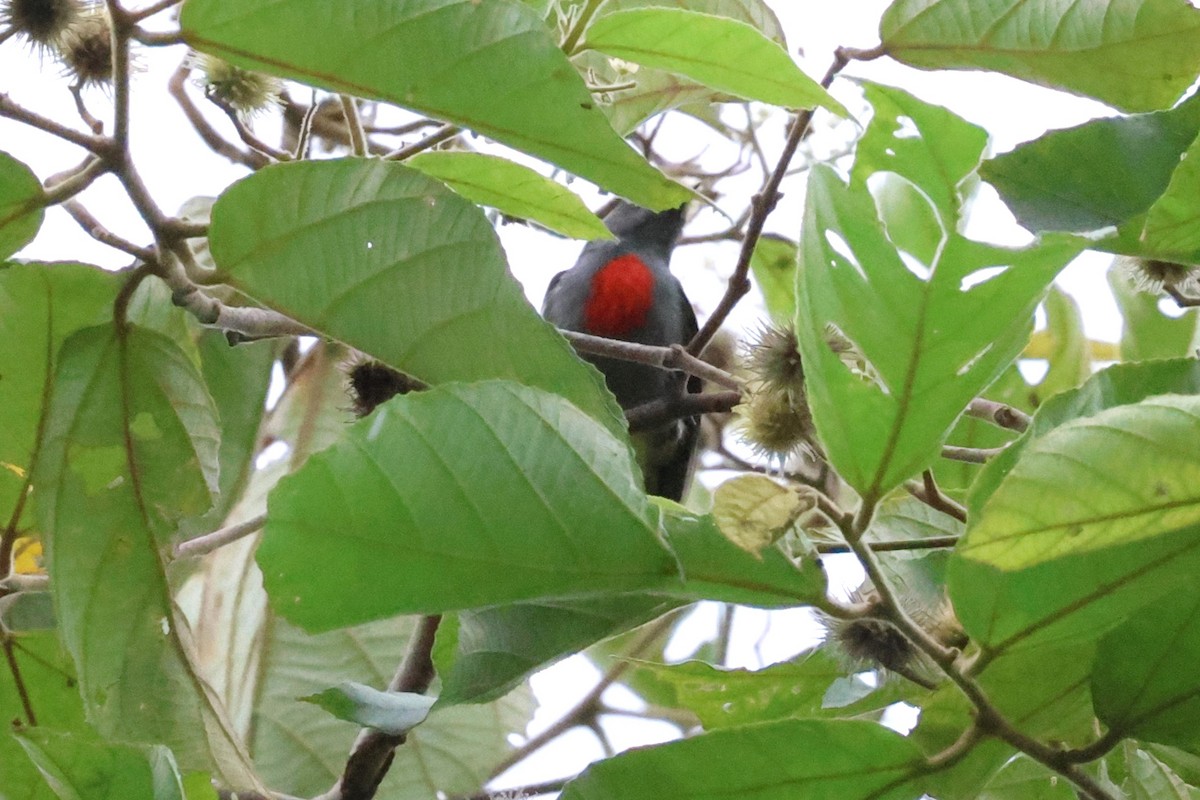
<point x="773" y="358"/>
<point x="1153" y="275"/>
<point x="942" y="624"/>
<point x="42" y="22"/>
<point x="373" y="382"/>
<point x="772" y="423"/>
<point x="87" y="49"/>
<point x="875" y="642"/>
<point x="244" y="91"/>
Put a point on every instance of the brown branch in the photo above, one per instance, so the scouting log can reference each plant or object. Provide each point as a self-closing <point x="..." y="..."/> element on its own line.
<point x="1181" y="300"/>
<point x="95" y="125"/>
<point x="209" y="542"/>
<point x="533" y="790"/>
<point x="999" y="414"/>
<point x="672" y="357"/>
<point x="666" y="409"/>
<point x="65" y="185"/>
<point x="93" y="228"/>
<point x="354" y="126"/>
<point x="151" y="10"/>
<point x="243" y="131"/>
<point x="442" y="134"/>
<point x="100" y="145"/>
<point x="762" y="205"/>
<point x="970" y="455"/>
<point x="372" y="754"/>
<point x="928" y="543"/>
<point x="929" y="494"/>
<point x="6" y="643"/>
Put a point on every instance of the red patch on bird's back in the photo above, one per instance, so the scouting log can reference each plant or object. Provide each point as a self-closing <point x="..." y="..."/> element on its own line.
<point x="622" y="293"/>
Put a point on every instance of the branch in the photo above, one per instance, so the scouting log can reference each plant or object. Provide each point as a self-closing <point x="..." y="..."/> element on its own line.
<point x="100" y="145"/>
<point x="244" y="133"/>
<point x="674" y="357"/>
<point x="442" y="134"/>
<point x="970" y="455"/>
<point x="762" y="204"/>
<point x="533" y="790"/>
<point x="93" y="228"/>
<point x="929" y="494"/>
<point x="999" y="414"/>
<point x="1181" y="300"/>
<point x="358" y="137"/>
<point x="372" y="754"/>
<point x="67" y="184"/>
<point x="927" y="543"/>
<point x="151" y="10"/>
<point x="667" y="409"/>
<point x="209" y="542"/>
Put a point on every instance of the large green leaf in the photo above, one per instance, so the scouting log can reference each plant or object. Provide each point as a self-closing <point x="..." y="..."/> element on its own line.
<point x="774" y="268"/>
<point x="721" y="53"/>
<point x="930" y="345"/>
<point x="773" y="761"/>
<point x="130" y="446"/>
<point x="21" y="211"/>
<point x="491" y="67"/>
<point x="395" y="264"/>
<point x="79" y="765"/>
<point x="1025" y="779"/>
<point x="40" y="306"/>
<point x="1139" y="685"/>
<point x="1049" y="184"/>
<point x="1136" y="55"/>
<point x="512" y="189"/>
<point x="1097" y="517"/>
<point x="479" y="494"/>
<point x="1120" y="384"/>
<point x="655" y="90"/>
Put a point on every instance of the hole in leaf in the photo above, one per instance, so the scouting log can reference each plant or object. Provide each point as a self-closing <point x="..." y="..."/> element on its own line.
<point x="840" y="246"/>
<point x="906" y="128"/>
<point x="979" y="276"/>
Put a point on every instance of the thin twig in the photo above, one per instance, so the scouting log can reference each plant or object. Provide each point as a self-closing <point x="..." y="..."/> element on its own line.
<point x="358" y="137"/>
<point x="6" y="643"/>
<point x="533" y="790"/>
<point x="157" y="38"/>
<point x="666" y="409"/>
<point x="96" y="126"/>
<point x="442" y="134"/>
<point x="672" y="357"/>
<point x="929" y="494"/>
<point x="152" y="9"/>
<point x="970" y="455"/>
<point x="93" y="228"/>
<point x="209" y="542"/>
<point x="763" y="204"/>
<point x="928" y="543"/>
<point x="100" y="145"/>
<point x="243" y="130"/>
<point x="999" y="414"/>
<point x="66" y="185"/>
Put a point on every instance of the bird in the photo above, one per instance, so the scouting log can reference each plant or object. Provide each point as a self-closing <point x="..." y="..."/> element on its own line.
<point x="623" y="289"/>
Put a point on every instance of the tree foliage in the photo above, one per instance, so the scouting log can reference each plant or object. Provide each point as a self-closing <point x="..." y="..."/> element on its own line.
<point x="205" y="592"/>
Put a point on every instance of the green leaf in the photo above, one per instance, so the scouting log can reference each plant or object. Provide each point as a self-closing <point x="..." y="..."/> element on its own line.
<point x="1025" y="779"/>
<point x="393" y="713"/>
<point x="776" y="760"/>
<point x="512" y="189"/>
<point x="1118" y="385"/>
<point x="753" y="511"/>
<point x="21" y="201"/>
<point x="486" y="652"/>
<point x="48" y="675"/>
<point x="930" y="345"/>
<point x="130" y="445"/>
<point x="1050" y="185"/>
<point x="925" y="144"/>
<point x="1139" y="687"/>
<point x="1146" y="332"/>
<point x="656" y="90"/>
<point x="722" y="53"/>
<point x="1172" y="228"/>
<point x="1151" y="779"/>
<point x="774" y="267"/>
<point x="40" y="306"/>
<point x="78" y="765"/>
<point x="805" y="686"/>
<point x="1134" y="56"/>
<point x="1097" y="518"/>
<point x="393" y="263"/>
<point x="411" y="488"/>
<point x="490" y="67"/>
